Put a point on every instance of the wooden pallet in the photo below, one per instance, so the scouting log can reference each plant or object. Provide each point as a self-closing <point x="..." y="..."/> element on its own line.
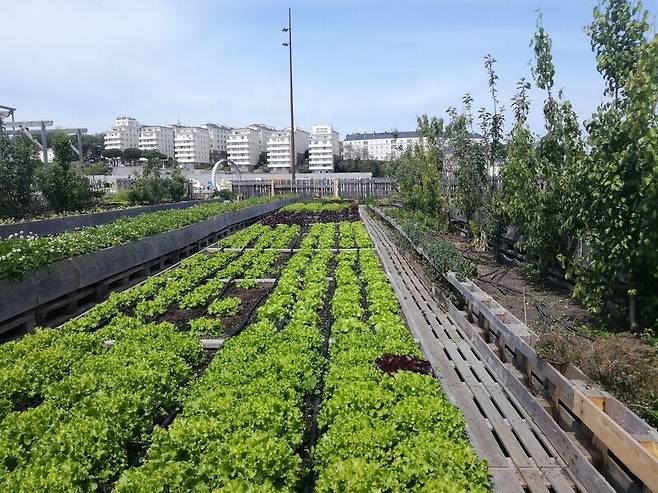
<point x="621" y="444"/>
<point x="520" y="456"/>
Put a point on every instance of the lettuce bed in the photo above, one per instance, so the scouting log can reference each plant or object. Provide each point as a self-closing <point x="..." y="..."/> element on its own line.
<point x="26" y="253"/>
<point x="385" y="432"/>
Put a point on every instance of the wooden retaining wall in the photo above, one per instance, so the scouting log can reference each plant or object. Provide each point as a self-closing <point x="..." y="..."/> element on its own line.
<point x="67" y="288"/>
<point x="619" y="443"/>
<point x="350" y="188"/>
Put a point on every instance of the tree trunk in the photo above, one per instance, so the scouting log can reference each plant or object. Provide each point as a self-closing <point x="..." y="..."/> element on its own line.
<point x="632" y="313"/>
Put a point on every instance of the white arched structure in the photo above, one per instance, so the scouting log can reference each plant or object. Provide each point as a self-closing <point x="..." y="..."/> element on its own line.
<point x="218" y="164"/>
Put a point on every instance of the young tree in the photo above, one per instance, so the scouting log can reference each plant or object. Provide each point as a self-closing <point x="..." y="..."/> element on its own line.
<point x="470" y="166"/>
<point x="419" y="170"/>
<point x="18" y="167"/>
<point x="519" y="187"/>
<point x="493" y="123"/>
<point x="619" y="182"/>
<point x="558" y="155"/>
<point x="176" y="185"/>
<point x="63" y="187"/>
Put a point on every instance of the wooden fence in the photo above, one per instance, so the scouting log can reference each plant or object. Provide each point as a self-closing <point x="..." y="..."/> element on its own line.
<point x="351" y="188"/>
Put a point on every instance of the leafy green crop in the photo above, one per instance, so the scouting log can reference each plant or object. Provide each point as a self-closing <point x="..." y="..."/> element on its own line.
<point x="317" y="207"/>
<point x="26" y="253"/>
<point x="385" y="432"/>
<point x="242" y="424"/>
<point x="225" y="307"/>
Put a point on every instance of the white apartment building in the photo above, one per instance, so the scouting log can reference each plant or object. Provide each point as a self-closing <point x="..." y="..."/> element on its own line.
<point x="278" y="149"/>
<point x="218" y="140"/>
<point x="157" y="138"/>
<point x="192" y="146"/>
<point x="245" y="145"/>
<point x="123" y="135"/>
<point x="324" y="149"/>
<point x="378" y="145"/>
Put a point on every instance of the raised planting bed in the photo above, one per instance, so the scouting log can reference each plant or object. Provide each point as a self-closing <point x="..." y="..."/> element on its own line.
<point x="51" y="295"/>
<point x="102" y="381"/>
<point x="59" y="224"/>
<point x="316" y="212"/>
<point x="25" y="253"/>
<point x="252" y="420"/>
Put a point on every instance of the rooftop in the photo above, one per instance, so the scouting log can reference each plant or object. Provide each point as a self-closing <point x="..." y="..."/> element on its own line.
<point x="381" y="135"/>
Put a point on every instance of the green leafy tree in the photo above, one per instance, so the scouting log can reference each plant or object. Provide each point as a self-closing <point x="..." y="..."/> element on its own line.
<point x="176" y="185"/>
<point x="518" y="193"/>
<point x="493" y="125"/>
<point x="469" y="161"/>
<point x="420" y="168"/>
<point x="131" y="155"/>
<point x="153" y="188"/>
<point x="64" y="188"/>
<point x="618" y="184"/>
<point x="558" y="155"/>
<point x="18" y="166"/>
<point x="92" y="147"/>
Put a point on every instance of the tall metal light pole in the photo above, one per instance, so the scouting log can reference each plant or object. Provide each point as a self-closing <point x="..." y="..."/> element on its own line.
<point x="293" y="154"/>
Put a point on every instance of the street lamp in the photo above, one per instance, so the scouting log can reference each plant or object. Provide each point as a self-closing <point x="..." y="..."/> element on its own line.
<point x="293" y="154"/>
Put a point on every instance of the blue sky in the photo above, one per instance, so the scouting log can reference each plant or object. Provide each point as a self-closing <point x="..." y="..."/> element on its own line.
<point x="361" y="65"/>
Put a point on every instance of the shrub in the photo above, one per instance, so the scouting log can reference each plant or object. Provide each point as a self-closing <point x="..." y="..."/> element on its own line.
<point x="64" y="188"/>
<point x="17" y="171"/>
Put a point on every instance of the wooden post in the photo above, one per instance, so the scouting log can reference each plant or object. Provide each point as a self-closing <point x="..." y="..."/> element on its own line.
<point x="271" y="188"/>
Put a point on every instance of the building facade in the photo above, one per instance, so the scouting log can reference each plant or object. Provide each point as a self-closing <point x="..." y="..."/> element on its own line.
<point x="192" y="146"/>
<point x="218" y="135"/>
<point x="245" y="145"/>
<point x="123" y="135"/>
<point x="157" y="138"/>
<point x="324" y="149"/>
<point x="380" y="146"/>
<point x="278" y="149"/>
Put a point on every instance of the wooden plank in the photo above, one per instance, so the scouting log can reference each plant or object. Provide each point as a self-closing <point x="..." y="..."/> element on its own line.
<point x="479" y="429"/>
<point x="511" y="443"/>
<point x="582" y="469"/>
<point x="638" y="459"/>
<point x="522" y="429"/>
<point x="505" y="481"/>
<point x="560" y="482"/>
<point x="534" y="480"/>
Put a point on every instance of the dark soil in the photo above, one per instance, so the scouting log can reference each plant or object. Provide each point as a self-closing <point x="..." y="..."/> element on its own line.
<point x="391" y="363"/>
<point x="304" y="218"/>
<point x="180" y="317"/>
<point x="311" y="403"/>
<point x="541" y="307"/>
<point x="251" y="298"/>
<point x="276" y="267"/>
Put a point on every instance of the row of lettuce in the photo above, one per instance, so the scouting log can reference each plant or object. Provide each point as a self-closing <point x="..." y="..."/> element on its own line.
<point x="243" y="427"/>
<point x="315" y="207"/>
<point x="86" y="416"/>
<point x="385" y="432"/>
<point x="29" y="365"/>
<point x="24" y="253"/>
<point x="59" y="408"/>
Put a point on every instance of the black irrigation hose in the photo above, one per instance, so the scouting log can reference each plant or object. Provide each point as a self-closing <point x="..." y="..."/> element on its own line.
<point x="308" y="482"/>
